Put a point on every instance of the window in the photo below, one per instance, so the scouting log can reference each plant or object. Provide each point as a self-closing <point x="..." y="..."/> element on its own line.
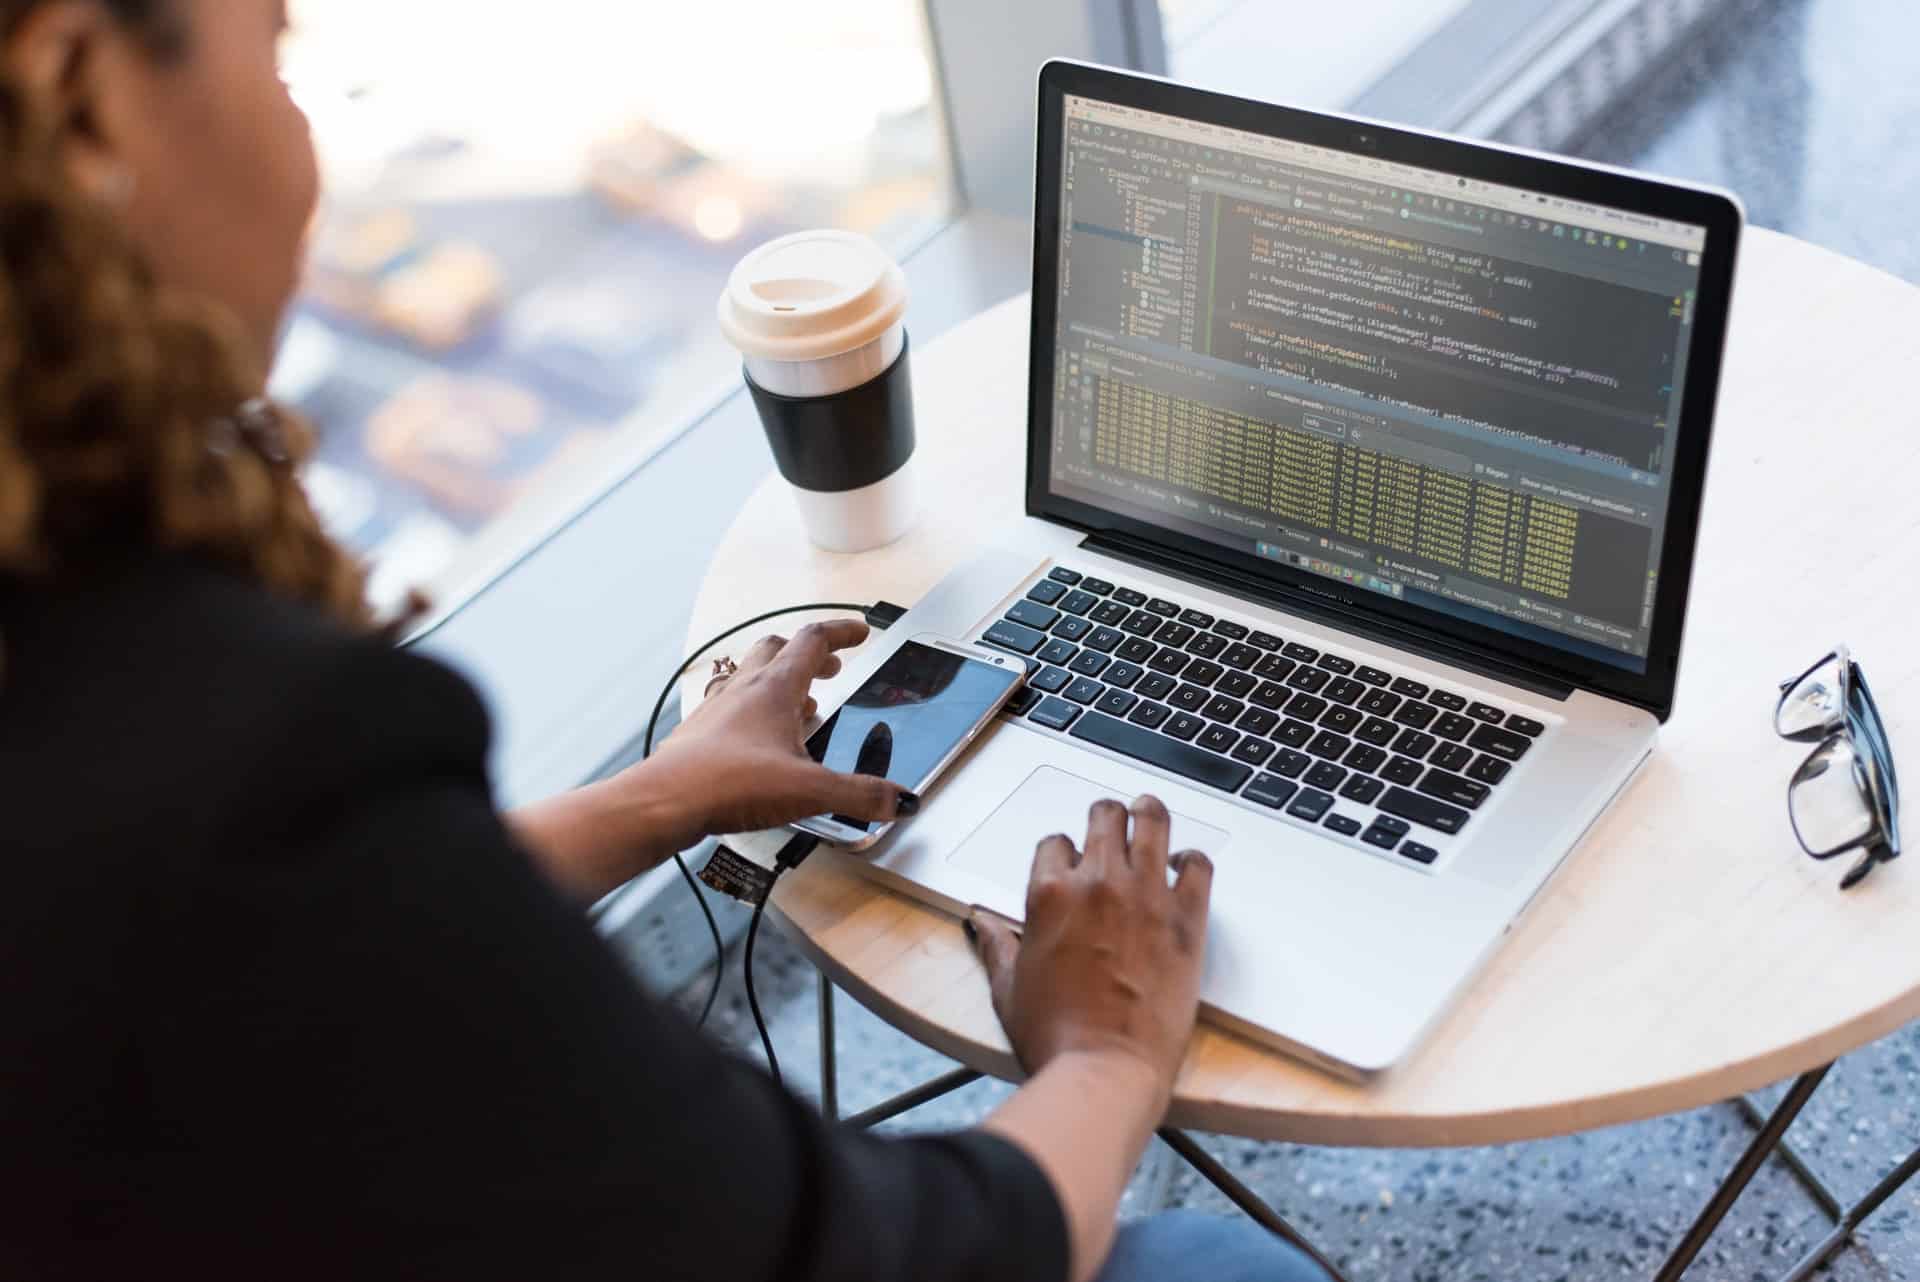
<point x="530" y="214"/>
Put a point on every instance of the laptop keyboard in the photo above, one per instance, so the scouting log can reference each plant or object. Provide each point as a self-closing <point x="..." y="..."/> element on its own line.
<point x="1363" y="752"/>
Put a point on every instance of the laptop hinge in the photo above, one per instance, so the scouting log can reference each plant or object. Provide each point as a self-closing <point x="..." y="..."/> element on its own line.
<point x="1199" y="570"/>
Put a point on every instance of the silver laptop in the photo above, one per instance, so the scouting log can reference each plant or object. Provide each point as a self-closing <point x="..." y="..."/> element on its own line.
<point x="1363" y="475"/>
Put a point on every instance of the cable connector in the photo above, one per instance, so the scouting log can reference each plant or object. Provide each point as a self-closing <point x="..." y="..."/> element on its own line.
<point x="882" y="615"/>
<point x="795" y="852"/>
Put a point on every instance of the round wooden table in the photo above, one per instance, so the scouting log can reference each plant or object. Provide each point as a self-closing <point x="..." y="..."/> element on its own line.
<point x="1690" y="952"/>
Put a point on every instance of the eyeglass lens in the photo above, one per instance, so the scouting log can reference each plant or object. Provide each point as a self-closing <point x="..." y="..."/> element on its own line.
<point x="1813" y="704"/>
<point x="1828" y="799"/>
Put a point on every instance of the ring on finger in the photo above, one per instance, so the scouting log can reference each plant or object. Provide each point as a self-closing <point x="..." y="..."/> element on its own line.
<point x="723" y="668"/>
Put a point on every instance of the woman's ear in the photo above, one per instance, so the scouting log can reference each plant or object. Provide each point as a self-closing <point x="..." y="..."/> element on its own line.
<point x="63" y="55"/>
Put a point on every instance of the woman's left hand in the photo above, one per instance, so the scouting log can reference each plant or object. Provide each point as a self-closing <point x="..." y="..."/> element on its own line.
<point x="738" y="764"/>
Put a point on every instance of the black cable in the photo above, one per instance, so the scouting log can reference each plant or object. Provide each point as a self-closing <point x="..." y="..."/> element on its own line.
<point x="646" y="750"/>
<point x="753" y="1002"/>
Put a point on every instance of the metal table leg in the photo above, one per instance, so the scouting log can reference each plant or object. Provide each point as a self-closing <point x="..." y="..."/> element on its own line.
<point x="1742" y="1174"/>
<point x="1245" y="1198"/>
<point x="1816" y="1187"/>
<point x="829" y="1061"/>
<point x="1854" y="1216"/>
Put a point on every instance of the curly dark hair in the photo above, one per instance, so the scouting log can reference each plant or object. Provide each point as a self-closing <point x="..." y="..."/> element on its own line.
<point x="121" y="400"/>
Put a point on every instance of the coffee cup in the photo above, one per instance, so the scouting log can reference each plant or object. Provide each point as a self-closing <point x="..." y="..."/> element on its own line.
<point x="819" y="319"/>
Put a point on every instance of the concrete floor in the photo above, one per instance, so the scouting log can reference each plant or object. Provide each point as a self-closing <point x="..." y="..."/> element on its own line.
<point x="1805" y="107"/>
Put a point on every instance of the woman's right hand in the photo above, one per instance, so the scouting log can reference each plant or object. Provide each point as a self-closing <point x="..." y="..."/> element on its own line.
<point x="1109" y="960"/>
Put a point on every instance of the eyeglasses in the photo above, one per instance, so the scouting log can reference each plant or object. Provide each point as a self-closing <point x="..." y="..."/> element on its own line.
<point x="1845" y="795"/>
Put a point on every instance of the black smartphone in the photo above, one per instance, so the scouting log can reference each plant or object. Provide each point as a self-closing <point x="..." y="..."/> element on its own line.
<point x="909" y="721"/>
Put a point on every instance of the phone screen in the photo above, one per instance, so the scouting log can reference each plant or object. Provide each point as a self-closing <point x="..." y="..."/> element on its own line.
<point x="909" y="714"/>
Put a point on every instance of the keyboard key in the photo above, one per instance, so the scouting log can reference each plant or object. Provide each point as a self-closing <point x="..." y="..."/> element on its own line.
<point x="1203" y="672"/>
<point x="1137" y="650"/>
<point x="1111" y="613"/>
<point x="1102" y="639"/>
<point x="1141" y="623"/>
<point x="1526" y="726"/>
<point x="1240" y="655"/>
<point x="1425" y="811"/>
<point x="1190" y="698"/>
<point x="1446" y="699"/>
<point x="1295" y="734"/>
<point x="1071" y="627"/>
<point x="1224" y="709"/>
<point x="1127" y="596"/>
<point x="1310" y="804"/>
<point x="1326" y="775"/>
<point x="1270" y="790"/>
<point x="1308" y="679"/>
<point x="1089" y="663"/>
<point x="1149" y="715"/>
<point x="1414" y="743"/>
<point x="1496" y="742"/>
<point x="1022" y="701"/>
<point x="1230" y="630"/>
<point x="1168" y="661"/>
<point x="1058" y="652"/>
<point x="1453" y="726"/>
<point x="1182" y="759"/>
<point x="1451" y="756"/>
<point x="1273" y="668"/>
<point x="1343" y="690"/>
<point x="1417" y="715"/>
<point x="1334" y="663"/>
<point x="1257" y="721"/>
<point x="1051" y="680"/>
<point x="1451" y="787"/>
<point x="1387" y="823"/>
<point x="1372" y="676"/>
<point x="1163" y="607"/>
<point x="1419" y="853"/>
<point x="1343" y="720"/>
<point x="1116" y="703"/>
<point x="1046" y="591"/>
<point x="1054" y="713"/>
<point x="1253" y="751"/>
<point x="1488" y="769"/>
<point x="1122" y="675"/>
<point x="1077" y="602"/>
<point x="1291" y="764"/>
<point x="1381" y="703"/>
<point x="1237" y="685"/>
<point x="1300" y="653"/>
<point x="1014" y="637"/>
<point x="1377" y="732"/>
<point x="1173" y="634"/>
<point x="1271" y="694"/>
<point x="1099" y="587"/>
<point x="1085" y="690"/>
<point x="1185" y="725"/>
<point x="1342" y="824"/>
<point x="1329" y="745"/>
<point x="1486" y="712"/>
<point x="1366" y="757"/>
<point x="1207" y="645"/>
<point x="1196" y="618"/>
<point x="1363" y="789"/>
<point x="1412" y="689"/>
<point x="1061" y="574"/>
<point x="1306" y="707"/>
<point x="1402" y="770"/>
<point x="1264" y="641"/>
<point x="1381" y="837"/>
<point x="1219" y="739"/>
<point x="1154" y="686"/>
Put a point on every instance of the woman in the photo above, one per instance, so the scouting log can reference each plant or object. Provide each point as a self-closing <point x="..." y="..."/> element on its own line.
<point x="284" y="994"/>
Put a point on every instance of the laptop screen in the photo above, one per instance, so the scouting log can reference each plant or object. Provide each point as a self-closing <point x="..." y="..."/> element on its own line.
<point x="1455" y="393"/>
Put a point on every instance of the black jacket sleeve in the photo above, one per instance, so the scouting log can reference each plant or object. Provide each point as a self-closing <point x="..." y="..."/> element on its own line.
<point x="375" y="1042"/>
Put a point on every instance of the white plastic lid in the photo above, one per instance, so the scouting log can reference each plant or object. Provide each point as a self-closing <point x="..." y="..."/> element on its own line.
<point x="812" y="295"/>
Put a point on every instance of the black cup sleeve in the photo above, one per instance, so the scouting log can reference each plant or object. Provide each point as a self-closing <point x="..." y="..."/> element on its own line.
<point x="831" y="444"/>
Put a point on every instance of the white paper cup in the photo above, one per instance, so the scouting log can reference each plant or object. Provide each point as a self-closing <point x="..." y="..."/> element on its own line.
<point x="818" y="318"/>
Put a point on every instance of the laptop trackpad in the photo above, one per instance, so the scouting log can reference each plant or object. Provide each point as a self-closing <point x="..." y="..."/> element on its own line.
<point x="1050" y="801"/>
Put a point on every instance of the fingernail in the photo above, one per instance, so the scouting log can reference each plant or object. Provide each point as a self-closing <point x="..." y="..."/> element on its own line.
<point x="907" y="804"/>
<point x="973" y="932"/>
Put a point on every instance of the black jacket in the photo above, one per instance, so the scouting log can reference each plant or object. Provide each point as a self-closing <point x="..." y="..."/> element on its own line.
<point x="279" y="997"/>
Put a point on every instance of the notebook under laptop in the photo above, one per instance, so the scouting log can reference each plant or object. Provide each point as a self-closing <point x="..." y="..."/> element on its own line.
<point x="1363" y="473"/>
